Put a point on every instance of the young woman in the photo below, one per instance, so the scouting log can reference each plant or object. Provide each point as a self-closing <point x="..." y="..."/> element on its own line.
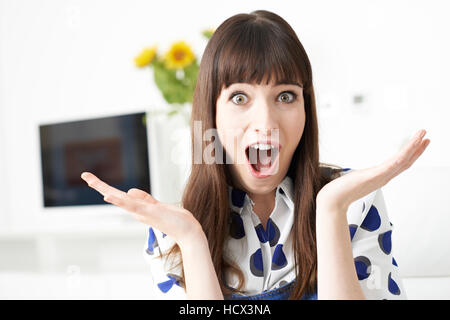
<point x="266" y="219"/>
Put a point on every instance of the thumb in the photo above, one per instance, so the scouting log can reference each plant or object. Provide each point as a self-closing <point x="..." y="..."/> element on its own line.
<point x="141" y="195"/>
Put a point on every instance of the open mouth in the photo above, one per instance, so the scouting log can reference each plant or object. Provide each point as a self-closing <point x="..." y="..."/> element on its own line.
<point x="262" y="158"/>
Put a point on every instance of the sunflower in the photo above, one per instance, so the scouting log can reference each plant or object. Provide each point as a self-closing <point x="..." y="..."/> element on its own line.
<point x="145" y="57"/>
<point x="179" y="56"/>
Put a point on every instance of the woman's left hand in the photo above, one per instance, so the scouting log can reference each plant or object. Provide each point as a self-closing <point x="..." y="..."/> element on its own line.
<point x="341" y="192"/>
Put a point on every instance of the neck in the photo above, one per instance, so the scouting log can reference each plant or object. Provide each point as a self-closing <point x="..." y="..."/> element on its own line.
<point x="263" y="205"/>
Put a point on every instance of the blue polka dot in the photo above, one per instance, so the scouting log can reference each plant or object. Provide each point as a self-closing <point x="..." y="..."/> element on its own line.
<point x="384" y="240"/>
<point x="394" y="262"/>
<point x="271" y="234"/>
<point x="256" y="264"/>
<point x="165" y="286"/>
<point x="346" y="169"/>
<point x="362" y="265"/>
<point x="236" y="226"/>
<point x="281" y="191"/>
<point x="152" y="243"/>
<point x="372" y="221"/>
<point x="237" y="197"/>
<point x="279" y="260"/>
<point x="353" y="228"/>
<point x="392" y="286"/>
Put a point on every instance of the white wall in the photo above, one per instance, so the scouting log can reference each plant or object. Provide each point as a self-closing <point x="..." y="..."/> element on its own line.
<point x="69" y="60"/>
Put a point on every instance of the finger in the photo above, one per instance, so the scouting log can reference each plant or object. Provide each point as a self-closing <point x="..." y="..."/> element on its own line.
<point x="139" y="209"/>
<point x="114" y="201"/>
<point x="406" y="157"/>
<point x="419" y="151"/>
<point x="125" y="202"/>
<point x="99" y="185"/>
<point x="418" y="141"/>
<point x="398" y="161"/>
<point x="142" y="195"/>
<point x="414" y="142"/>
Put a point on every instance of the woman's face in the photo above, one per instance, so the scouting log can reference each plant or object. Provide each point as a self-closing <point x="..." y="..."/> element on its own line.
<point x="260" y="127"/>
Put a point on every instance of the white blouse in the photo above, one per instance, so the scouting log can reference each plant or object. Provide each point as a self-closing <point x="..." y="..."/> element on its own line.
<point x="265" y="256"/>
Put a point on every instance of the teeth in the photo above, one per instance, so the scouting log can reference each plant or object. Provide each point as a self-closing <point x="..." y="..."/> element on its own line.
<point x="262" y="146"/>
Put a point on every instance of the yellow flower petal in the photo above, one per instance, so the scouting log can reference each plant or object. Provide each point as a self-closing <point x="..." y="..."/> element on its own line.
<point x="145" y="57"/>
<point x="179" y="56"/>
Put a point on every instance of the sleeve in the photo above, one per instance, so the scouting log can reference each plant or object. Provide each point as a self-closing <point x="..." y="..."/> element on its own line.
<point x="165" y="278"/>
<point x="371" y="238"/>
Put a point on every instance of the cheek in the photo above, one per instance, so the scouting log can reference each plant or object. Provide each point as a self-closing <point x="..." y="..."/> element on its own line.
<point x="293" y="128"/>
<point x="228" y="130"/>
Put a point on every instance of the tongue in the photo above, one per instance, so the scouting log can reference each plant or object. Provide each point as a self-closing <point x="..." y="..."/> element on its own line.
<point x="260" y="166"/>
<point x="264" y="160"/>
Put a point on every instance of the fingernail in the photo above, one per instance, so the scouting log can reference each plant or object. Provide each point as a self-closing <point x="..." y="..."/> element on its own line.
<point x="422" y="134"/>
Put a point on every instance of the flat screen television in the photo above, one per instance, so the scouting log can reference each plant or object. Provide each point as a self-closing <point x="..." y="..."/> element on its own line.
<point x="114" y="148"/>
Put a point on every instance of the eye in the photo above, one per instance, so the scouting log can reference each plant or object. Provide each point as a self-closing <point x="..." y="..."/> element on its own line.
<point x="286" y="95"/>
<point x="238" y="97"/>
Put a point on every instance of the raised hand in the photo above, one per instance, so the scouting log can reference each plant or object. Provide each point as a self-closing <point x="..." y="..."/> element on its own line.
<point x="174" y="221"/>
<point x="341" y="192"/>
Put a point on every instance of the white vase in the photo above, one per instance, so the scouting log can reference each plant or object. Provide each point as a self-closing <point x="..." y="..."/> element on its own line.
<point x="170" y="155"/>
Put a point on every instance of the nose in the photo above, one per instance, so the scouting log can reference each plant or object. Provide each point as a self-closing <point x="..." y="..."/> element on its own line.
<point x="263" y="119"/>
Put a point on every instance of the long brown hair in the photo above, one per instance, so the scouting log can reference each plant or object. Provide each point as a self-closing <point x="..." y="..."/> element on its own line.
<point x="248" y="48"/>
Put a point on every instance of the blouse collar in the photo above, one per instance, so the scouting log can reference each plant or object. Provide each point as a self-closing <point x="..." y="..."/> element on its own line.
<point x="238" y="199"/>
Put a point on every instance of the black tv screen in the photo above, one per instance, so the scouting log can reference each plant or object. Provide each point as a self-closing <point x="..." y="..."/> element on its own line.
<point x="113" y="148"/>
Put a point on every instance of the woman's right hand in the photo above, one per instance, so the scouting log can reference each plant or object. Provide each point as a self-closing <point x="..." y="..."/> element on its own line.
<point x="176" y="222"/>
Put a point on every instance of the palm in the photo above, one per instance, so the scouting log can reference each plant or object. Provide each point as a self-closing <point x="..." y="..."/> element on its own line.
<point x="169" y="219"/>
<point x="341" y="192"/>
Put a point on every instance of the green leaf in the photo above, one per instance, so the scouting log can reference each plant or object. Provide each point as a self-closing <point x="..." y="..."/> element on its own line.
<point x="207" y="34"/>
<point x="176" y="91"/>
<point x="172" y="113"/>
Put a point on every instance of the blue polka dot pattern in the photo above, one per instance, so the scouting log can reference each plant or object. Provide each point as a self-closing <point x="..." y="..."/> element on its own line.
<point x="372" y="221"/>
<point x="282" y="283"/>
<point x="237" y="197"/>
<point x="256" y="264"/>
<point x="384" y="240"/>
<point x="271" y="234"/>
<point x="165" y="286"/>
<point x="392" y="286"/>
<point x="362" y="265"/>
<point x="394" y="262"/>
<point x="152" y="243"/>
<point x="279" y="258"/>
<point x="236" y="226"/>
<point x="281" y="191"/>
<point x="353" y="228"/>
